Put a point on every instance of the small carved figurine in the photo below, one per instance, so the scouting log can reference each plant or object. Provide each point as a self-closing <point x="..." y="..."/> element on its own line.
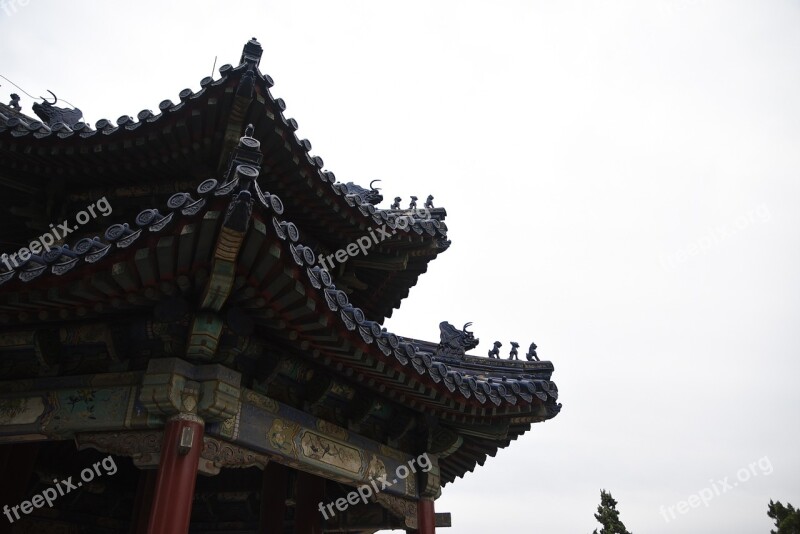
<point x="495" y="352"/>
<point x="14" y="104"/>
<point x="396" y="204"/>
<point x="413" y="204"/>
<point x="429" y="202"/>
<point x="531" y="356"/>
<point x="514" y="354"/>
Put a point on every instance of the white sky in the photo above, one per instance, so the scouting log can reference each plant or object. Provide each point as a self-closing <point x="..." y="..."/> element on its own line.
<point x="621" y="180"/>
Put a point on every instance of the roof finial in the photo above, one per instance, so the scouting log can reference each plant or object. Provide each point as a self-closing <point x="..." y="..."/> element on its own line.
<point x="251" y="53"/>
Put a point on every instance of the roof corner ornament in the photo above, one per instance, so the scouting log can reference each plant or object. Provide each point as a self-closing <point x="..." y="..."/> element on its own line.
<point x="241" y="183"/>
<point x="14" y="104"/>
<point x="531" y="355"/>
<point x="454" y="343"/>
<point x="251" y="53"/>
<point x="51" y="115"/>
<point x="429" y="202"/>
<point x="514" y="355"/>
<point x="372" y="195"/>
<point x="413" y="204"/>
<point x="247" y="83"/>
<point x="396" y="204"/>
<point x="240" y="209"/>
<point x="495" y="352"/>
<point x="247" y="152"/>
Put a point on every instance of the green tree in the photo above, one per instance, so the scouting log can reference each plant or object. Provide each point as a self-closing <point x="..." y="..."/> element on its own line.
<point x="608" y="516"/>
<point x="787" y="518"/>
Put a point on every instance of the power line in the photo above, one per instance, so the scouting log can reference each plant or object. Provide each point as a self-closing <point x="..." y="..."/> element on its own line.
<point x="34" y="97"/>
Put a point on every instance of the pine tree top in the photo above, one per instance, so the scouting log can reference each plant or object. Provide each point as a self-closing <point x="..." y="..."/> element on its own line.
<point x="608" y="516"/>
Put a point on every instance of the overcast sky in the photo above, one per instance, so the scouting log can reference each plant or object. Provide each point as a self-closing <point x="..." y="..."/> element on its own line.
<point x="621" y="182"/>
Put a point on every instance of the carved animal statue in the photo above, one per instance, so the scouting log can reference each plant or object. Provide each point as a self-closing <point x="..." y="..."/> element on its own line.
<point x="453" y="342"/>
<point x="50" y="114"/>
<point x="396" y="204"/>
<point x="14" y="104"/>
<point x="514" y="354"/>
<point x="371" y="195"/>
<point x="495" y="352"/>
<point x="413" y="204"/>
<point x="531" y="356"/>
<point x="429" y="202"/>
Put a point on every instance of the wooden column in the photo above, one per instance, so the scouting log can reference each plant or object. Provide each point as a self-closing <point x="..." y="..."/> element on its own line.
<point x="143" y="503"/>
<point x="275" y="483"/>
<point x="426" y="516"/>
<point x="177" y="474"/>
<point x="309" y="492"/>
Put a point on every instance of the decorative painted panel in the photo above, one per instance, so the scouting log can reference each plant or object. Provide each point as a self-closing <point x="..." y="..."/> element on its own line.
<point x="300" y="440"/>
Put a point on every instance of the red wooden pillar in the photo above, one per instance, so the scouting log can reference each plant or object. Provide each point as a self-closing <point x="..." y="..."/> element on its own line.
<point x="143" y="502"/>
<point x="309" y="492"/>
<point x="273" y="498"/>
<point x="177" y="474"/>
<point x="426" y="516"/>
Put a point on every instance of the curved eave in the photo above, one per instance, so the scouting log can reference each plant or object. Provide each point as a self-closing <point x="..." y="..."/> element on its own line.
<point x="296" y="302"/>
<point x="189" y="141"/>
<point x="292" y="303"/>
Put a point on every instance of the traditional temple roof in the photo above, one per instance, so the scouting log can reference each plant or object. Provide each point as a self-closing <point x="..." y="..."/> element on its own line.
<point x="183" y="143"/>
<point x="244" y="246"/>
<point x="167" y="251"/>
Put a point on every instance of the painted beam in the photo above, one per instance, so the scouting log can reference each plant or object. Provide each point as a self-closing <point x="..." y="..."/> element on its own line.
<point x="300" y="440"/>
<point x="254" y="427"/>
